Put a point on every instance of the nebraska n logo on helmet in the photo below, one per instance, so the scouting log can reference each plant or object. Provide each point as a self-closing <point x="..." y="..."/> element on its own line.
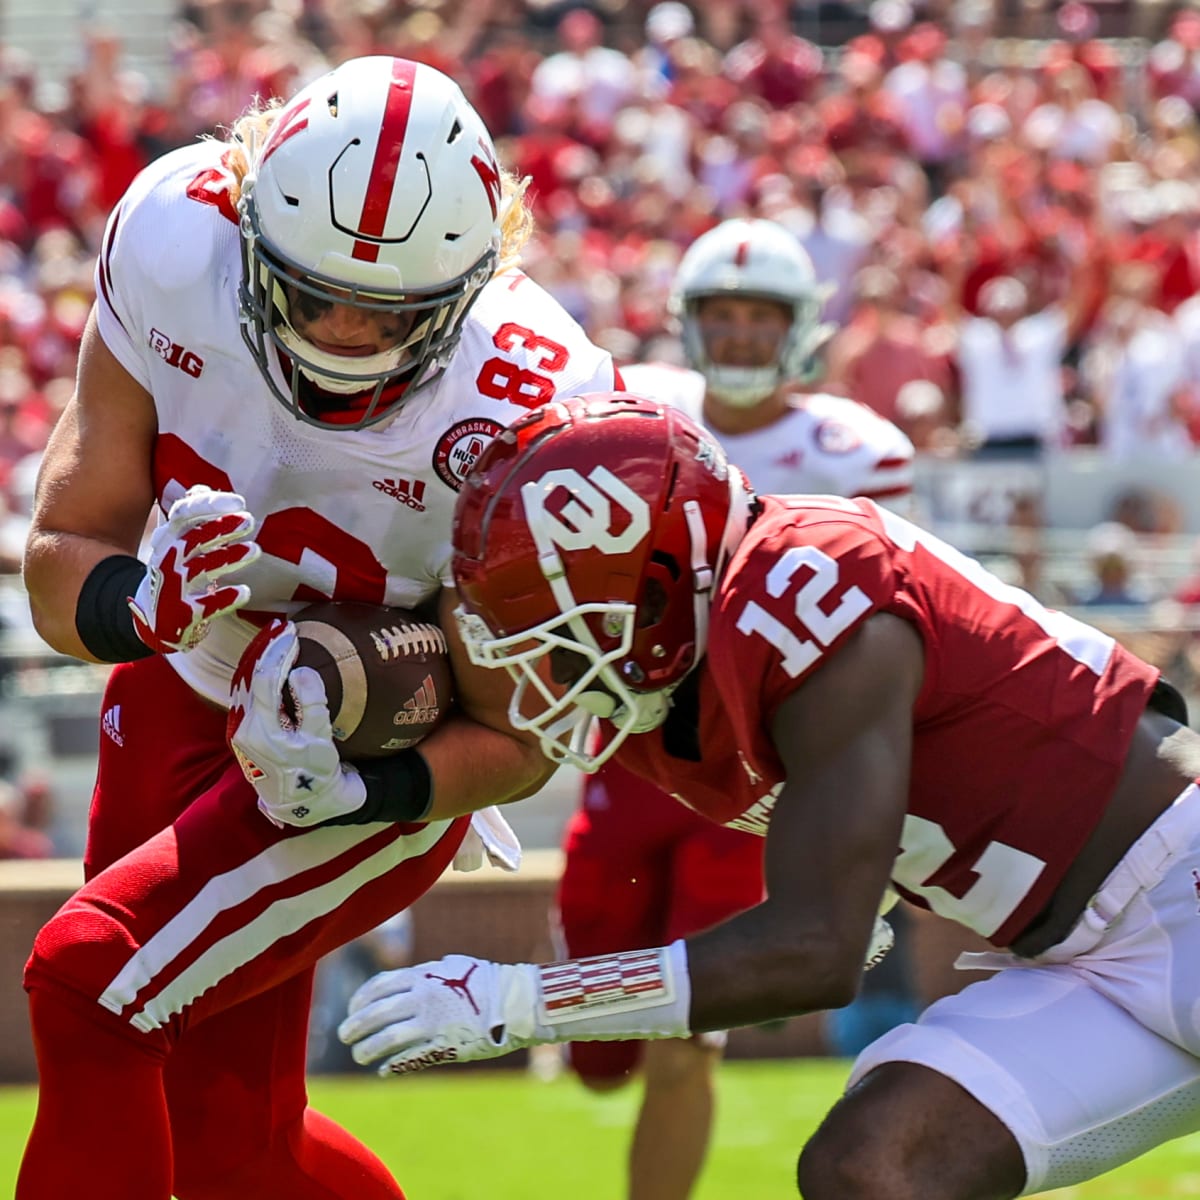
<point x="377" y="188"/>
<point x="488" y="171"/>
<point x="612" y="560"/>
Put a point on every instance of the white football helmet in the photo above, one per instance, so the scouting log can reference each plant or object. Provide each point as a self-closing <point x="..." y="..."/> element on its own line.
<point x="751" y="258"/>
<point x="376" y="186"/>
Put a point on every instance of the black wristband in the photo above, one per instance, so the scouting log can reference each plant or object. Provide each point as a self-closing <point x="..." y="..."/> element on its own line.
<point x="102" y="617"/>
<point x="399" y="789"/>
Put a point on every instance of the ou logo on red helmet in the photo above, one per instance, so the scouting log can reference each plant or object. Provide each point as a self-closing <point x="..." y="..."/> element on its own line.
<point x="584" y="521"/>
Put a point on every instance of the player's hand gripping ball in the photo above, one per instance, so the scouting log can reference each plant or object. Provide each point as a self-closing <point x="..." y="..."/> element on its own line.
<point x="386" y="674"/>
<point x="343" y="681"/>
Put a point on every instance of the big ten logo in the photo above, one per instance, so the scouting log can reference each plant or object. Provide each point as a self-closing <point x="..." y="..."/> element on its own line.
<point x="175" y="355"/>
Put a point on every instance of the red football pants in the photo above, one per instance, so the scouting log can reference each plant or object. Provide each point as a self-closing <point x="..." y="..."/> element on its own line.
<point x="173" y="988"/>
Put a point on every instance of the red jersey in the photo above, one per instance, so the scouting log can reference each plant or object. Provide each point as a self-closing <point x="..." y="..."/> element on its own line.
<point x="1019" y="732"/>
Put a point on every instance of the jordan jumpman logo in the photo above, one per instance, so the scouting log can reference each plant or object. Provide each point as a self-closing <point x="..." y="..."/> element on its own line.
<point x="459" y="986"/>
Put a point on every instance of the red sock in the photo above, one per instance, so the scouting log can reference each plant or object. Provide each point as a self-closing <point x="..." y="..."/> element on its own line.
<point x="239" y="1111"/>
<point x="101" y="1129"/>
<point x="332" y="1163"/>
<point x="314" y="1159"/>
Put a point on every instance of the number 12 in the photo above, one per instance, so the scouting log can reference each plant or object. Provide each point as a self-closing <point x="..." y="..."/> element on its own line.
<point x="797" y="652"/>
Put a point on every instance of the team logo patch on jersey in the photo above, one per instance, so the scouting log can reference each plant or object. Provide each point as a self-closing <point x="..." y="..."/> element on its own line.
<point x="459" y="447"/>
<point x="835" y="438"/>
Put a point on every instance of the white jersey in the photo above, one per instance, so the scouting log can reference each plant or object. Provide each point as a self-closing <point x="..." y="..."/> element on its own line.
<point x="824" y="444"/>
<point x="346" y="515"/>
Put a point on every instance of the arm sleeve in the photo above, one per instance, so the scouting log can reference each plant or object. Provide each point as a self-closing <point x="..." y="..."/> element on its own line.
<point x="116" y="316"/>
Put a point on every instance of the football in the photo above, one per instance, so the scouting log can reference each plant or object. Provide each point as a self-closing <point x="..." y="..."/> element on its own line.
<point x="386" y="672"/>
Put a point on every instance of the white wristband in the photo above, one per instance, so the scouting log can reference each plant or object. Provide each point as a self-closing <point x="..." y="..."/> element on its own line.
<point x="610" y="997"/>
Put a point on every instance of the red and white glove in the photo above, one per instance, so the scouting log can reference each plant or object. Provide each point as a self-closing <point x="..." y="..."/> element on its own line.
<point x="279" y="729"/>
<point x="206" y="535"/>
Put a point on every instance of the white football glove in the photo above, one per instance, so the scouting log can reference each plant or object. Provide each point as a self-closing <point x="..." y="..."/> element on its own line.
<point x="206" y="535"/>
<point x="456" y="1009"/>
<point x="280" y="731"/>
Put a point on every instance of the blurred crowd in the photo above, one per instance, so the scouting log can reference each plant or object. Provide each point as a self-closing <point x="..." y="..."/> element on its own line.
<point x="1009" y="226"/>
<point x="27" y="810"/>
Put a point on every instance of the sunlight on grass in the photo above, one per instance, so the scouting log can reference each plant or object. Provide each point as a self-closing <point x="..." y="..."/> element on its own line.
<point x="453" y="1134"/>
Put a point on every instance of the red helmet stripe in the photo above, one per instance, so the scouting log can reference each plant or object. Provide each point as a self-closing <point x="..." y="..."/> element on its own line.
<point x="741" y="254"/>
<point x="291" y="122"/>
<point x="387" y="158"/>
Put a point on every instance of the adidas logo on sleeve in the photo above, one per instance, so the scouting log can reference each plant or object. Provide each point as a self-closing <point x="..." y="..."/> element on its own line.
<point x="110" y="723"/>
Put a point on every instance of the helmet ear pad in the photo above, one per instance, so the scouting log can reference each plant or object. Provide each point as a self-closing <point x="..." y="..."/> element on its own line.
<point x="652" y="607"/>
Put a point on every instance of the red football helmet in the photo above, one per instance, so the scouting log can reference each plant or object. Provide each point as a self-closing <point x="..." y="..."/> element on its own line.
<point x="596" y="525"/>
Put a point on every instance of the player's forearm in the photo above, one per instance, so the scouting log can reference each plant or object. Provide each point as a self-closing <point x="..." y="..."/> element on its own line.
<point x="742" y="972"/>
<point x="461" y="1009"/>
<point x="736" y="974"/>
<point x="746" y="971"/>
<point x="55" y="568"/>
<point x="473" y="766"/>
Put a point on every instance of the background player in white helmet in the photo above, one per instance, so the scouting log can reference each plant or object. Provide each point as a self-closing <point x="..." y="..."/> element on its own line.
<point x="304" y="337"/>
<point x="748" y="305"/>
<point x="640" y="867"/>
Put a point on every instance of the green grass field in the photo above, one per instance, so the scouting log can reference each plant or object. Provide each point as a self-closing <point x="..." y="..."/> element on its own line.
<point x="458" y="1135"/>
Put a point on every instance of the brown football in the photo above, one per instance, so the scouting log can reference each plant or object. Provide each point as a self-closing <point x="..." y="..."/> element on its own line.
<point x="386" y="672"/>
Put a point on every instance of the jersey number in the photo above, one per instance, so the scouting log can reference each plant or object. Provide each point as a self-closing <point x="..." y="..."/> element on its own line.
<point x="503" y="380"/>
<point x="343" y="567"/>
<point x="824" y="622"/>
<point x="1003" y="875"/>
